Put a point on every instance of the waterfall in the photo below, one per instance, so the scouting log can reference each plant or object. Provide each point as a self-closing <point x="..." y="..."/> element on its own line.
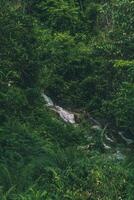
<point x="69" y="117"/>
<point x="64" y="114"/>
<point x="48" y="100"/>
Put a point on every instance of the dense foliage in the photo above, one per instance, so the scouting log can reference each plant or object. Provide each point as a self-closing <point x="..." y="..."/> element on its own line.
<point x="80" y="52"/>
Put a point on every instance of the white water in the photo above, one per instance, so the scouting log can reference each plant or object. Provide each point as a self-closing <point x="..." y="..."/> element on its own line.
<point x="107" y="147"/>
<point x="64" y="114"/>
<point x="108" y="138"/>
<point x="48" y="100"/>
<point x="119" y="155"/>
<point x="69" y="117"/>
<point x="127" y="140"/>
<point x="96" y="127"/>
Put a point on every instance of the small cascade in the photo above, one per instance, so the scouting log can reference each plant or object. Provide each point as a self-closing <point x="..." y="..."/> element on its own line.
<point x="65" y="115"/>
<point x="127" y="140"/>
<point x="48" y="100"/>
<point x="108" y="140"/>
<point x="107" y="147"/>
<point x="96" y="127"/>
<point x="119" y="155"/>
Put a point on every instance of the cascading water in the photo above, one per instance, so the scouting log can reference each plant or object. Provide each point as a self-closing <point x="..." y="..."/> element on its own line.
<point x="127" y="140"/>
<point x="48" y="100"/>
<point x="64" y="114"/>
<point x="69" y="117"/>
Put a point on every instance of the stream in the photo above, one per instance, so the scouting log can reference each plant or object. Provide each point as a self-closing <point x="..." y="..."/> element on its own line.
<point x="65" y="115"/>
<point x="108" y="141"/>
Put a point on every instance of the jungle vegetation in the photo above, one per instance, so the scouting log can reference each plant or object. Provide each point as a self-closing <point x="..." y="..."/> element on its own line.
<point x="81" y="54"/>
